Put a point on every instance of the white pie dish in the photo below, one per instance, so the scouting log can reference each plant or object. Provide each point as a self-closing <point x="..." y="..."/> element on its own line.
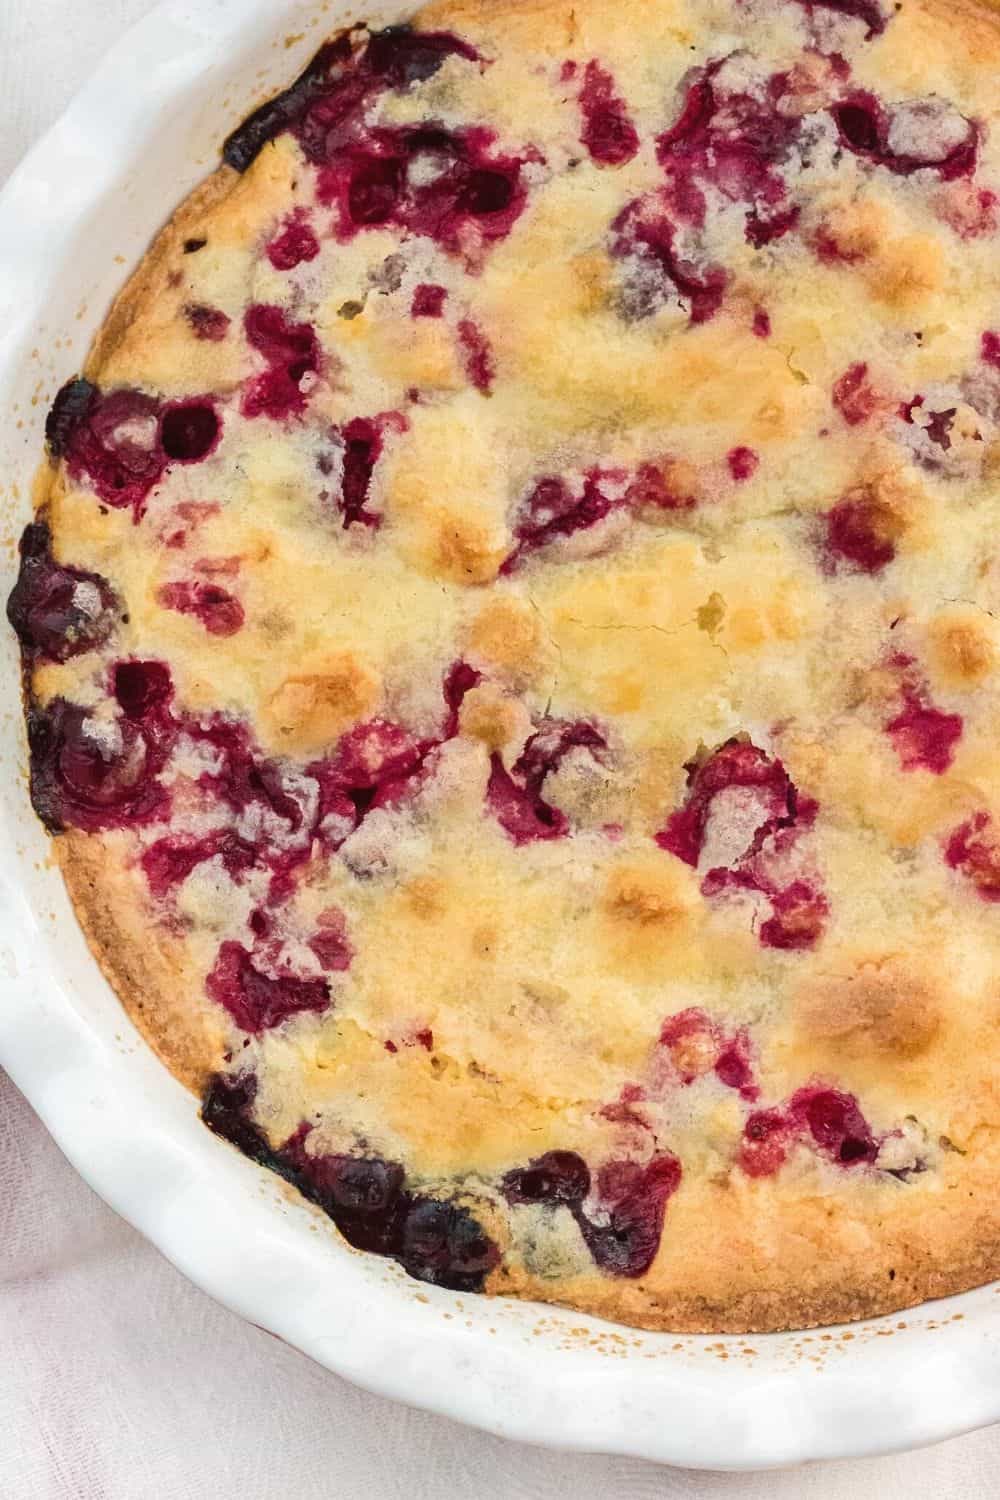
<point x="79" y="212"/>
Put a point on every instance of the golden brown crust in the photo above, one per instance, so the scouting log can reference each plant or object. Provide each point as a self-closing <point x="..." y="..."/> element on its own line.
<point x="494" y="999"/>
<point x="141" y="968"/>
<point x="145" y="285"/>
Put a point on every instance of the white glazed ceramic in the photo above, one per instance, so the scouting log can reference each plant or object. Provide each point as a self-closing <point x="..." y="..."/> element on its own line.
<point x="77" y="214"/>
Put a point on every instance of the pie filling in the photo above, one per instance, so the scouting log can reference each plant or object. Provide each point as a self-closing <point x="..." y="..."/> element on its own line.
<point x="514" y="609"/>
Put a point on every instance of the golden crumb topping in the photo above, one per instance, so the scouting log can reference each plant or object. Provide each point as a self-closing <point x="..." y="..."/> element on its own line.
<point x="511" y="650"/>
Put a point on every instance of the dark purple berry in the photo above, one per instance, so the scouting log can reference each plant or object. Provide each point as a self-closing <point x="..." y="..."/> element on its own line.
<point x="57" y="612"/>
<point x="444" y="1245"/>
<point x="141" y="687"/>
<point x="94" y="774"/>
<point x="258" y="1001"/>
<point x="71" y="407"/>
<point x="189" y="431"/>
<point x="556" y="1177"/>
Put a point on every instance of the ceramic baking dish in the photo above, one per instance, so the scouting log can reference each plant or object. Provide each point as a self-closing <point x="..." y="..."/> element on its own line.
<point x="73" y="219"/>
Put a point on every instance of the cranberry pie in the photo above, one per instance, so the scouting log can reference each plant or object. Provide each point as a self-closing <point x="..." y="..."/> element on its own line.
<point x="512" y="658"/>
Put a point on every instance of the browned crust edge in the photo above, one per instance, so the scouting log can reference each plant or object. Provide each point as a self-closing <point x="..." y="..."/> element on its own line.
<point x="125" y="948"/>
<point x="770" y="1310"/>
<point x="143" y="285"/>
<point x="138" y="967"/>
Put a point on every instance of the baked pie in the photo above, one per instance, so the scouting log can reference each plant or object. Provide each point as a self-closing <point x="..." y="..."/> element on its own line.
<point x="511" y="650"/>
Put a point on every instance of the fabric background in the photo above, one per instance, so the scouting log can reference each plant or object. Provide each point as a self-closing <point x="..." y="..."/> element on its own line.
<point x="120" y="1381"/>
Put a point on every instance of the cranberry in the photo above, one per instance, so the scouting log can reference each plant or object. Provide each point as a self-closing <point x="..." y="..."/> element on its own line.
<point x="379" y="1231"/>
<point x="291" y="351"/>
<point x="331" y="944"/>
<point x="644" y="229"/>
<point x="363" y="440"/>
<point x="743" y="463"/>
<point x="375" y="189"/>
<point x="296" y="242"/>
<point x="990" y="348"/>
<point x="867" y="128"/>
<point x="556" y="1177"/>
<point x="866" y="11"/>
<point x="608" y="133"/>
<point x="207" y="322"/>
<point x="859" y="123"/>
<point x="832" y="1120"/>
<point x="648" y="490"/>
<point x="780" y="815"/>
<point x="219" y="611"/>
<point x="552" y="510"/>
<point x="363" y="1195"/>
<point x="94" y="774"/>
<point x="733" y="142"/>
<point x="727" y="1055"/>
<point x="974" y="850"/>
<point x="444" y="1245"/>
<point x="836" y="1124"/>
<point x="633" y="1201"/>
<point x="169" y="861"/>
<point x="258" y="1001"/>
<point x="428" y="301"/>
<point x="375" y="752"/>
<point x="761" y="324"/>
<point x="516" y="800"/>
<point x="523" y="816"/>
<point x="355" y="1184"/>
<point x="857" y="533"/>
<point x="379" y="179"/>
<point x="766" y="1138"/>
<point x="278" y="114"/>
<point x="924" y="737"/>
<point x="116" y="446"/>
<point x="737" y="763"/>
<point x="376" y="764"/>
<point x="799" y="914"/>
<point x="761" y="229"/>
<point x="853" y="396"/>
<point x="486" y="192"/>
<point x="477" y="354"/>
<point x="460" y="679"/>
<point x="244" y="779"/>
<point x="71" y="408"/>
<point x="142" y="688"/>
<point x="690" y="132"/>
<point x="123" y="442"/>
<point x="403" y="57"/>
<point x="189" y="431"/>
<point x="58" y="612"/>
<point x="226" y="1110"/>
<point x="332" y="92"/>
<point x="732" y="1068"/>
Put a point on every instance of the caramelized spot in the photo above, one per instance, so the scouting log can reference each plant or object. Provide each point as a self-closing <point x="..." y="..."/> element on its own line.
<point x="490" y="716"/>
<point x="649" y="894"/>
<point x="962" y="651"/>
<point x="886" y="1005"/>
<point x="462" y="550"/>
<point x="506" y="633"/>
<point x="311" y="709"/>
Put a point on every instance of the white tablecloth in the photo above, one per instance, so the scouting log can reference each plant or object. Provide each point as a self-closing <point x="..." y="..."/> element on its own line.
<point x="120" y="1381"/>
